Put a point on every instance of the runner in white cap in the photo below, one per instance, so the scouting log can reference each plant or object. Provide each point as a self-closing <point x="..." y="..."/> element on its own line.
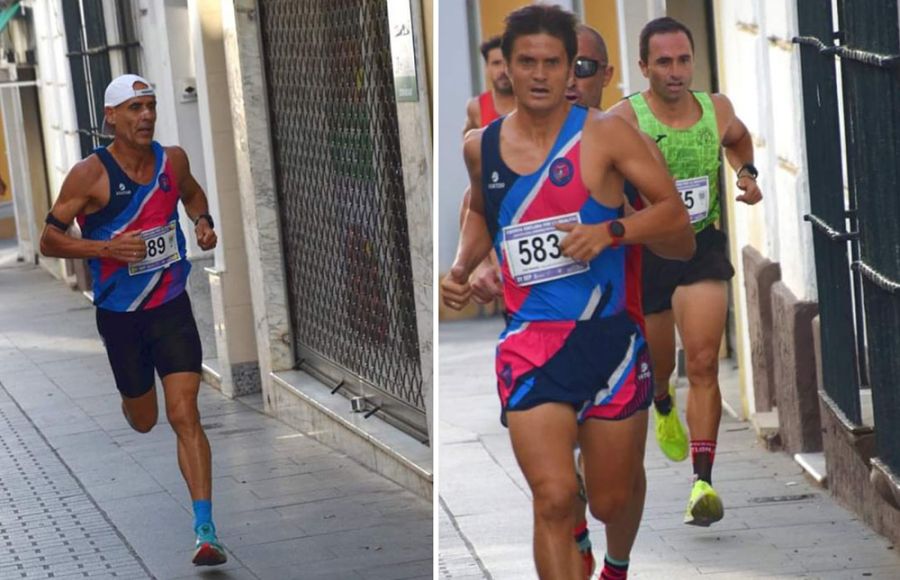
<point x="125" y="198"/>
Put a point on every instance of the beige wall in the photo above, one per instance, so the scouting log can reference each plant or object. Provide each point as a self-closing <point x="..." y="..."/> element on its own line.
<point x="694" y="17"/>
<point x="603" y="15"/>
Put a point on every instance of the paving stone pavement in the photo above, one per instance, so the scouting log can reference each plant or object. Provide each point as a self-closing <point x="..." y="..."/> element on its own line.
<point x="777" y="524"/>
<point x="71" y="470"/>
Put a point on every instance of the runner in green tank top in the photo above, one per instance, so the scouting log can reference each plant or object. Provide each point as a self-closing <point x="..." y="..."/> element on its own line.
<point x="691" y="128"/>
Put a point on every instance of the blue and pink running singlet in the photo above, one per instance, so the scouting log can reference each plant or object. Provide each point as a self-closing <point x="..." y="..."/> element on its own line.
<point x="153" y="209"/>
<point x="571" y="336"/>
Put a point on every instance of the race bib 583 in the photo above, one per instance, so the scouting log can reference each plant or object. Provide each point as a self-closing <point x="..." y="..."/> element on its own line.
<point x="534" y="253"/>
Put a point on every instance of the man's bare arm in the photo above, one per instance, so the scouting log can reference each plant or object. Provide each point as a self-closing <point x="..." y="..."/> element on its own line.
<point x="738" y="144"/>
<point x="736" y="139"/>
<point x="74" y="198"/>
<point x="475" y="241"/>
<point x="193" y="198"/>
<point x="473" y="116"/>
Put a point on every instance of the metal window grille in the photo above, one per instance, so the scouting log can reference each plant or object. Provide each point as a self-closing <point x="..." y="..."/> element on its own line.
<point x="89" y="60"/>
<point x="864" y="349"/>
<point x="342" y="200"/>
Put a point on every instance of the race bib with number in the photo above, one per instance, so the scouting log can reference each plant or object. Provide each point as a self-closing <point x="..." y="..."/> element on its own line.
<point x="162" y="249"/>
<point x="534" y="253"/>
<point x="695" y="195"/>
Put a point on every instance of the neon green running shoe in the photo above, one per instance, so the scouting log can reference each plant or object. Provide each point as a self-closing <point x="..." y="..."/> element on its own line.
<point x="704" y="507"/>
<point x="670" y="433"/>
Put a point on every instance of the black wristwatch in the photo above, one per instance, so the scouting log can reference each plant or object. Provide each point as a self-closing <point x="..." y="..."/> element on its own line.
<point x="616" y="231"/>
<point x="208" y="218"/>
<point x="748" y="169"/>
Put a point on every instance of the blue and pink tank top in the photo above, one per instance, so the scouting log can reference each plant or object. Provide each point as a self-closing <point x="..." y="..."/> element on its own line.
<point x="555" y="189"/>
<point x="151" y="208"/>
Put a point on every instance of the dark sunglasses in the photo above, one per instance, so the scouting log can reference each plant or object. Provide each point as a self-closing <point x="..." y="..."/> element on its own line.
<point x="587" y="67"/>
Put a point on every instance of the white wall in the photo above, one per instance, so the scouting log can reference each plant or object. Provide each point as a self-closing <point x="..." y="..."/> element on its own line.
<point x="755" y="36"/>
<point x="166" y="57"/>
<point x="455" y="87"/>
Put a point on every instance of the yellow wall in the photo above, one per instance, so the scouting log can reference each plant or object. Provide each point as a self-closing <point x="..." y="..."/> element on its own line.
<point x="7" y="225"/>
<point x="602" y="15"/>
<point x="493" y="12"/>
<point x="4" y="169"/>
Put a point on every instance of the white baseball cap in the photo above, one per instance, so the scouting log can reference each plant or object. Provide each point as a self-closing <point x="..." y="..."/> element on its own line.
<point x="122" y="89"/>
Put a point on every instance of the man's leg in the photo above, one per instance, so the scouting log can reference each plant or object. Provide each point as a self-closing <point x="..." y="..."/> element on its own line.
<point x="701" y="310"/>
<point x="581" y="532"/>
<point x="669" y="431"/>
<point x="141" y="412"/>
<point x="661" y="340"/>
<point x="195" y="461"/>
<point x="194" y="457"/>
<point x="616" y="483"/>
<point x="542" y="439"/>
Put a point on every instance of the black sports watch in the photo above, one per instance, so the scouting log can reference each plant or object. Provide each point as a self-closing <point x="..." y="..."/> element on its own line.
<point x="616" y="231"/>
<point x="208" y="218"/>
<point x="748" y="169"/>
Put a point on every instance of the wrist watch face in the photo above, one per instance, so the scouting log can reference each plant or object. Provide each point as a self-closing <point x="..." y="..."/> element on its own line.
<point x="751" y="170"/>
<point x="616" y="229"/>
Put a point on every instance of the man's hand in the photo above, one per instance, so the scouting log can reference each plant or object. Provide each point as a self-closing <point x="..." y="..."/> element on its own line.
<point x="584" y="241"/>
<point x="206" y="236"/>
<point x="752" y="195"/>
<point x="455" y="288"/>
<point x="129" y="248"/>
<point x="486" y="283"/>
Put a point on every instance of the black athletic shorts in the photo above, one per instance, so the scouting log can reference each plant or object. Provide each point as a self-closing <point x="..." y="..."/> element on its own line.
<point x="660" y="277"/>
<point x="164" y="338"/>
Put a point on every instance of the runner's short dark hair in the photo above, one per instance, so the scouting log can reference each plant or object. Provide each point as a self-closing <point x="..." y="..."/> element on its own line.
<point x="489" y="45"/>
<point x="661" y="26"/>
<point x="537" y="19"/>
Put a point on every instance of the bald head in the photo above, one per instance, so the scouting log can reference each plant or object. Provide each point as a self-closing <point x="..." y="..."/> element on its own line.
<point x="594" y="38"/>
<point x="592" y="70"/>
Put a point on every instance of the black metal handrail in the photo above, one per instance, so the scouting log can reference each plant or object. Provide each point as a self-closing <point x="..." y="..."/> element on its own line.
<point x="863" y="56"/>
<point x="103" y="48"/>
<point x="876" y="277"/>
<point x="833" y="234"/>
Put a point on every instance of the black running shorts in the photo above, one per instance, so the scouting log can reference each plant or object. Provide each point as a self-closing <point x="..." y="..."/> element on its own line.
<point x="164" y="338"/>
<point x="660" y="277"/>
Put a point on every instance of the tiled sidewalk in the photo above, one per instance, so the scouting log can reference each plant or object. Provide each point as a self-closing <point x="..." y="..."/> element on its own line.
<point x="285" y="505"/>
<point x="777" y="525"/>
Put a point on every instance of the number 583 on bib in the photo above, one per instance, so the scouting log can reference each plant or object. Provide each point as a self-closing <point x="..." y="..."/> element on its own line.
<point x="534" y="253"/>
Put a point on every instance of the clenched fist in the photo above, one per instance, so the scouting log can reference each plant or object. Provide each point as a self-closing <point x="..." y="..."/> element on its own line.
<point x="128" y="247"/>
<point x="455" y="288"/>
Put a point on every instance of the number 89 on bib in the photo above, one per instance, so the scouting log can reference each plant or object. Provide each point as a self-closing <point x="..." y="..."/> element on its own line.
<point x="534" y="253"/>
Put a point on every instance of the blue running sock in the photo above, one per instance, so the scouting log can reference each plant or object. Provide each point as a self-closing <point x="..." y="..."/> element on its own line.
<point x="202" y="513"/>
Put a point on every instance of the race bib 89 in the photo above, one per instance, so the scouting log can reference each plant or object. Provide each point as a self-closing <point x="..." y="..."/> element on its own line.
<point x="534" y="253"/>
<point x="162" y="249"/>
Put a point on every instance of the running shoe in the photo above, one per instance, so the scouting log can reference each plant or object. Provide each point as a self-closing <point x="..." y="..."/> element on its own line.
<point x="670" y="433"/>
<point x="209" y="551"/>
<point x="704" y="507"/>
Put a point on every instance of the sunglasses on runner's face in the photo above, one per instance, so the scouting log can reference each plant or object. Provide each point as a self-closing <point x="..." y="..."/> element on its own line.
<point x="587" y="67"/>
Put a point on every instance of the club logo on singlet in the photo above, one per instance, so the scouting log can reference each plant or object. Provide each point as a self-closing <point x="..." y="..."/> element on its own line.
<point x="495" y="181"/>
<point x="164" y="182"/>
<point x="122" y="190"/>
<point x="705" y="136"/>
<point x="561" y="171"/>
